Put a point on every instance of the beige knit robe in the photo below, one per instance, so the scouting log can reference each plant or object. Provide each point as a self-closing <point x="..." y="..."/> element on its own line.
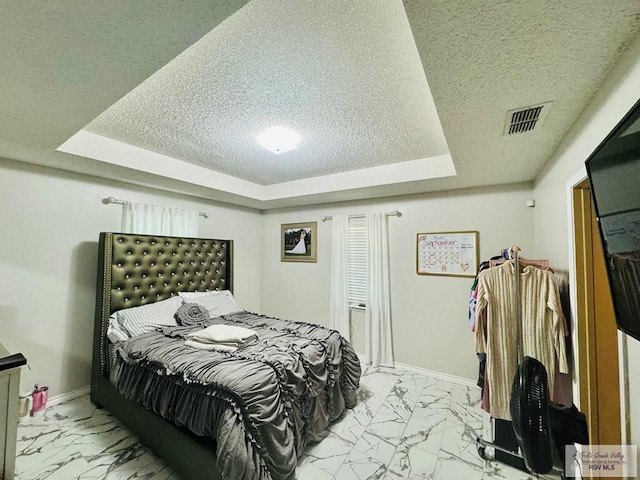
<point x="543" y="328"/>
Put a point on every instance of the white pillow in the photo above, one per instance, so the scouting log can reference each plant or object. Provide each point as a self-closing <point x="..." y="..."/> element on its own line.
<point x="145" y="318"/>
<point x="115" y="332"/>
<point x="219" y="302"/>
<point x="192" y="295"/>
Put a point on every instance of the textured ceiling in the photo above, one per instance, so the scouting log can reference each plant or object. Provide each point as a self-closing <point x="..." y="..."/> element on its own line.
<point x="345" y="75"/>
<point x="511" y="54"/>
<point x="360" y="81"/>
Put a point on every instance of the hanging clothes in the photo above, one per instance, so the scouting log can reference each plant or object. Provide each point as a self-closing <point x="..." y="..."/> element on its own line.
<point x="543" y="328"/>
<point x="482" y="357"/>
<point x="474" y="290"/>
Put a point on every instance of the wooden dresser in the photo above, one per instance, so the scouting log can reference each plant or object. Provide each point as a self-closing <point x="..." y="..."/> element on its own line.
<point x="9" y="386"/>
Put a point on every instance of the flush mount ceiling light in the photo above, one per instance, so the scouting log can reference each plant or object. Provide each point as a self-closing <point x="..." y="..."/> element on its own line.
<point x="279" y="139"/>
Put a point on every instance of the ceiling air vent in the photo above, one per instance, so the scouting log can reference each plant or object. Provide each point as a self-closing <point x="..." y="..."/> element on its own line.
<point x="526" y="119"/>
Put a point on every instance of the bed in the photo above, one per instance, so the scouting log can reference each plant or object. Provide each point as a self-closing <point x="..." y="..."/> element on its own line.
<point x="245" y="414"/>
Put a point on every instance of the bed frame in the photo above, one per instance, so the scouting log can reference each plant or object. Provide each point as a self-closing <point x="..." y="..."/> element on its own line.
<point x="135" y="270"/>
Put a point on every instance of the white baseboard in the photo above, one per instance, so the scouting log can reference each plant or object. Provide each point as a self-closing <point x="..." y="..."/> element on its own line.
<point x="65" y="397"/>
<point x="430" y="373"/>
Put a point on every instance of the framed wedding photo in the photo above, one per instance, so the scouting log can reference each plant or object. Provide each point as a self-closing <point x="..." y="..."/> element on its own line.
<point x="298" y="242"/>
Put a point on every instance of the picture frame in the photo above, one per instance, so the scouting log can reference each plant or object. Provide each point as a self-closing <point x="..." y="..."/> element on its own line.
<point x="447" y="253"/>
<point x="298" y="242"/>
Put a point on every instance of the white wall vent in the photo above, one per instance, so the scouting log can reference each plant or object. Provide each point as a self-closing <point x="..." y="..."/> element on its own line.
<point x="526" y="119"/>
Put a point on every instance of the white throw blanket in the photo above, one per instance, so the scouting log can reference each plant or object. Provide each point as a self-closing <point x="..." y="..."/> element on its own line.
<point x="226" y="338"/>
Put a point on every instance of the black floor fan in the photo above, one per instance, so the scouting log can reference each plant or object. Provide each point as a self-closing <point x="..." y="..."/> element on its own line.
<point x="530" y="415"/>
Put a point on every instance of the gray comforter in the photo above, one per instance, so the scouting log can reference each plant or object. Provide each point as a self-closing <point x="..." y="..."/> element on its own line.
<point x="263" y="404"/>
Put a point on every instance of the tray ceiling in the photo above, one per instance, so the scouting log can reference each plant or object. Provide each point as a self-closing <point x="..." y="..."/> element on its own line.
<point x="388" y="98"/>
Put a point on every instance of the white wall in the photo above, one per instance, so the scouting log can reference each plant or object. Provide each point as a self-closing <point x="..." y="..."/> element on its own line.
<point x="551" y="219"/>
<point x="430" y="328"/>
<point x="48" y="256"/>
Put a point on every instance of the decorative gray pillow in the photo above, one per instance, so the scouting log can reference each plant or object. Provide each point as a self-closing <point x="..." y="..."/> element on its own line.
<point x="192" y="315"/>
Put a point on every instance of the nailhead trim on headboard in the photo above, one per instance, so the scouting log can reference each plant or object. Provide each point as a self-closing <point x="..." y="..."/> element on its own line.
<point x="106" y="306"/>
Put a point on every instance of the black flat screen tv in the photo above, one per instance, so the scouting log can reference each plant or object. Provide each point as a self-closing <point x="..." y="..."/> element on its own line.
<point x="614" y="174"/>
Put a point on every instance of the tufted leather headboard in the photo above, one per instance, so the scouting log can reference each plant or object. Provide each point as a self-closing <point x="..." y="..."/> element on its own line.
<point x="137" y="269"/>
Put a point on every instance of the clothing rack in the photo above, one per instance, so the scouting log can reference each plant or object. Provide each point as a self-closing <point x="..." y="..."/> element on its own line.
<point x="109" y="200"/>
<point x="543" y="264"/>
<point x="394" y="213"/>
<point x="515" y="251"/>
<point x="505" y="445"/>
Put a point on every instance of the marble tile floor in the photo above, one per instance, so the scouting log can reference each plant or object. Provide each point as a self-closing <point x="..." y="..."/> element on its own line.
<point x="405" y="426"/>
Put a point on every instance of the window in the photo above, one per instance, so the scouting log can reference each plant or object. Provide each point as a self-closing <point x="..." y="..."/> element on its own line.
<point x="357" y="261"/>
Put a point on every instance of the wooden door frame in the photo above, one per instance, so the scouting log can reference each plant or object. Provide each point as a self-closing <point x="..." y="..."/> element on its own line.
<point x="585" y="331"/>
<point x="601" y="397"/>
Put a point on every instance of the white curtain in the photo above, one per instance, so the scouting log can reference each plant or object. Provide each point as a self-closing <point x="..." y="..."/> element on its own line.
<point x="338" y="297"/>
<point x="156" y="220"/>
<point x="378" y="347"/>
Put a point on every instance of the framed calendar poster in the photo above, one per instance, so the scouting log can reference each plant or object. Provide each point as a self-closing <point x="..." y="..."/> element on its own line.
<point x="447" y="253"/>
